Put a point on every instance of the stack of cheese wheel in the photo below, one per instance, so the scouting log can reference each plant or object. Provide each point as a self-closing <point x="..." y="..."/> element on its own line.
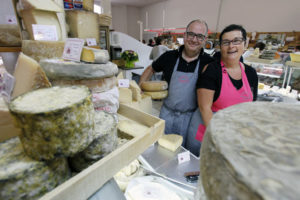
<point x="156" y="89"/>
<point x="251" y="152"/>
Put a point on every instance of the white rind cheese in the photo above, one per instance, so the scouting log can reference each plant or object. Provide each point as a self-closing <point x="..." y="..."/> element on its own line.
<point x="154" y="86"/>
<point x="93" y="55"/>
<point x="57" y="121"/>
<point x="105" y="142"/>
<point x="157" y="95"/>
<point x="170" y="141"/>
<point x="24" y="178"/>
<point x="29" y="76"/>
<point x="251" y="152"/>
<point x="39" y="50"/>
<point x="95" y="85"/>
<point x="69" y="70"/>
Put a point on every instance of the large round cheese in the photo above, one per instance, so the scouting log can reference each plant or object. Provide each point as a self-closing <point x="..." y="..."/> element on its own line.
<point x="105" y="142"/>
<point x="57" y="121"/>
<point x="24" y="178"/>
<point x="152" y="86"/>
<point x="251" y="151"/>
<point x="69" y="70"/>
<point x="157" y="95"/>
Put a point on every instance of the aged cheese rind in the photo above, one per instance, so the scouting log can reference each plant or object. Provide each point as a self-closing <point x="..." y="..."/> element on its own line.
<point x="105" y="141"/>
<point x="9" y="35"/>
<point x="95" y="85"/>
<point x="43" y="49"/>
<point x="93" y="55"/>
<point x="157" y="95"/>
<point x="152" y="86"/>
<point x="68" y="70"/>
<point x="59" y="121"/>
<point x="254" y="150"/>
<point x="29" y="76"/>
<point x="83" y="24"/>
<point x="24" y="178"/>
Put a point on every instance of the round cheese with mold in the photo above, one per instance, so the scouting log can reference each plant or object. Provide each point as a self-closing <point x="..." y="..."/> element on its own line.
<point x="57" y="121"/>
<point x="24" y="178"/>
<point x="251" y="152"/>
<point x="154" y="86"/>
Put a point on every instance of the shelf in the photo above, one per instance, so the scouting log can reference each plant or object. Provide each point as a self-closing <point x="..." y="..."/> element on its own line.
<point x="10" y="49"/>
<point x="269" y="75"/>
<point x="293" y="64"/>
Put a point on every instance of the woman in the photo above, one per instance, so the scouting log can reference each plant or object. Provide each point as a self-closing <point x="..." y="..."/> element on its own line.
<point x="223" y="83"/>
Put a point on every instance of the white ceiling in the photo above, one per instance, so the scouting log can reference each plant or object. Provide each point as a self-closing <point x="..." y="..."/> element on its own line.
<point x="137" y="3"/>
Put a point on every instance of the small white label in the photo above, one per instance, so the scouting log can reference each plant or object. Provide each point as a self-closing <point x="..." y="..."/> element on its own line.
<point x="184" y="157"/>
<point x="44" y="32"/>
<point x="73" y="48"/>
<point x="124" y="83"/>
<point x="91" y="42"/>
<point x="10" y="19"/>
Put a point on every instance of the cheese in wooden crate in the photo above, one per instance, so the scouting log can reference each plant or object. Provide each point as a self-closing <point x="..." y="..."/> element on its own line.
<point x="57" y="121"/>
<point x="29" y="76"/>
<point x="125" y="95"/>
<point x="43" y="49"/>
<point x="69" y="70"/>
<point x="24" y="178"/>
<point x="254" y="150"/>
<point x="93" y="55"/>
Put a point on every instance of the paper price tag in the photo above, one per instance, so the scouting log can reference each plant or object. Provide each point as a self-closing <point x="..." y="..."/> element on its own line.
<point x="11" y="19"/>
<point x="184" y="157"/>
<point x="44" y="32"/>
<point x="73" y="48"/>
<point x="124" y="83"/>
<point x="91" y="41"/>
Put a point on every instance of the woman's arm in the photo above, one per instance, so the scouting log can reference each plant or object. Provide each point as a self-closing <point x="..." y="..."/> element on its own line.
<point x="205" y="101"/>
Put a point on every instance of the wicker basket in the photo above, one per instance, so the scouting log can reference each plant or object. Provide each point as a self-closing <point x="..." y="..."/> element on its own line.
<point x="104" y="20"/>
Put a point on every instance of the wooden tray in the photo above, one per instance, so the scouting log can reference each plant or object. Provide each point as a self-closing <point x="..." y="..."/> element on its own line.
<point x="87" y="182"/>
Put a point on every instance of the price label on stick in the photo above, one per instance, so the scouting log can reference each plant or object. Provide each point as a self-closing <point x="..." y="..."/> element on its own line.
<point x="91" y="42"/>
<point x="184" y="157"/>
<point x="73" y="48"/>
<point x="124" y="83"/>
<point x="44" y="32"/>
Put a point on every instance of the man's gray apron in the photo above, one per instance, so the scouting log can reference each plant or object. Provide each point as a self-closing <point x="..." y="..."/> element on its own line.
<point x="181" y="102"/>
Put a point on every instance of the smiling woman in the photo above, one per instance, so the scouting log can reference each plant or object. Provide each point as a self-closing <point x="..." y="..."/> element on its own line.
<point x="224" y="83"/>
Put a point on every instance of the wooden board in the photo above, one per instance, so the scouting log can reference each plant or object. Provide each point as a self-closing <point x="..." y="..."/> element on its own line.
<point x="87" y="182"/>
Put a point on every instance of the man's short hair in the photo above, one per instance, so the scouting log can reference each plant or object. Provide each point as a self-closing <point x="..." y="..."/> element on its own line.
<point x="200" y="22"/>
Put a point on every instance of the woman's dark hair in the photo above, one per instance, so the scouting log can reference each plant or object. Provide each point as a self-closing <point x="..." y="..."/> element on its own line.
<point x="260" y="45"/>
<point x="233" y="27"/>
<point x="158" y="40"/>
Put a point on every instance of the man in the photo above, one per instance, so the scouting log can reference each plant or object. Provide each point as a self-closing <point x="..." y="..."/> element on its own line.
<point x="181" y="69"/>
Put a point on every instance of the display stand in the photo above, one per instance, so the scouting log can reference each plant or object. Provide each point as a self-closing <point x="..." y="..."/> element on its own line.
<point x="291" y="66"/>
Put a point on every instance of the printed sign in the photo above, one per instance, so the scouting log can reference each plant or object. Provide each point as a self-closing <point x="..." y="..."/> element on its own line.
<point x="44" y="32"/>
<point x="91" y="41"/>
<point x="124" y="83"/>
<point x="73" y="48"/>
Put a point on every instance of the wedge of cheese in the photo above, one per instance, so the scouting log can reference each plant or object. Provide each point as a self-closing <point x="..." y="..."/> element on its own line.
<point x="136" y="90"/>
<point x="83" y="24"/>
<point x="152" y="86"/>
<point x="125" y="95"/>
<point x="157" y="95"/>
<point x="29" y="76"/>
<point x="39" y="50"/>
<point x="93" y="55"/>
<point x="170" y="141"/>
<point x="132" y="128"/>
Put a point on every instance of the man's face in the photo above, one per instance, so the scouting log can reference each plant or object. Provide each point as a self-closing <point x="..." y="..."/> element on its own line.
<point x="194" y="37"/>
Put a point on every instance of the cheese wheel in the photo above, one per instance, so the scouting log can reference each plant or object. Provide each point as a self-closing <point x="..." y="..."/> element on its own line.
<point x="170" y="141"/>
<point x="57" y="121"/>
<point x="95" y="85"/>
<point x="24" y="178"/>
<point x="105" y="142"/>
<point x="251" y="151"/>
<point x="69" y="70"/>
<point x="39" y="50"/>
<point x="93" y="55"/>
<point x="157" y="95"/>
<point x="152" y="86"/>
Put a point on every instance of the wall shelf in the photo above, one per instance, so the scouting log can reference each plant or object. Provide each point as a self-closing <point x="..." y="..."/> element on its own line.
<point x="10" y="49"/>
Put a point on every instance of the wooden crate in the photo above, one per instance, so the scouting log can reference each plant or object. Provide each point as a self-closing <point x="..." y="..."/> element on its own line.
<point x="87" y="182"/>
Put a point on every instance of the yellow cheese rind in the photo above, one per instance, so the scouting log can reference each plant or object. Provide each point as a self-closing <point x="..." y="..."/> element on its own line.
<point x="170" y="141"/>
<point x="153" y="86"/>
<point x="88" y="5"/>
<point x="93" y="55"/>
<point x="125" y="95"/>
<point x="29" y="76"/>
<point x="157" y="95"/>
<point x="43" y="49"/>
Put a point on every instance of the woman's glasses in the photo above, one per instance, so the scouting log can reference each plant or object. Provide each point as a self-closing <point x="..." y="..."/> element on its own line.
<point x="235" y="41"/>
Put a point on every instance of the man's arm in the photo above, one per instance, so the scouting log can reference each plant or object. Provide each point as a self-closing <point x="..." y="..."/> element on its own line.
<point x="146" y="75"/>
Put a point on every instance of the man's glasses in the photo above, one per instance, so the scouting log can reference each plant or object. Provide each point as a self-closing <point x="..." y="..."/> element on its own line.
<point x="235" y="41"/>
<point x="192" y="35"/>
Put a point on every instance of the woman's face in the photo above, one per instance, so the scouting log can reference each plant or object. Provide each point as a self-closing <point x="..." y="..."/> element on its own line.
<point x="232" y="46"/>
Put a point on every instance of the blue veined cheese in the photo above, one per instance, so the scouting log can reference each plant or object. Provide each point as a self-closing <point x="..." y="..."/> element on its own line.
<point x="57" y="121"/>
<point x="106" y="140"/>
<point x="24" y="178"/>
<point x="69" y="70"/>
<point x="251" y="151"/>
